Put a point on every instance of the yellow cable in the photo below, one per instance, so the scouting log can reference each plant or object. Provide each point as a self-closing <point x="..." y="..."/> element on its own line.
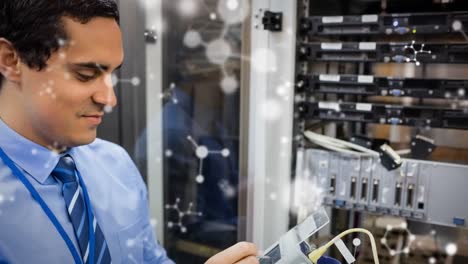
<point x="315" y="255"/>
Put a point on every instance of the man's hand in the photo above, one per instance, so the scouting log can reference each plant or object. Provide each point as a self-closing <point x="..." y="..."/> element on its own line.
<point x="240" y="253"/>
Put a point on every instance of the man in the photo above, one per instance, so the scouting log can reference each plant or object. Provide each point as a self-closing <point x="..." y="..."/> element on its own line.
<point x="65" y="196"/>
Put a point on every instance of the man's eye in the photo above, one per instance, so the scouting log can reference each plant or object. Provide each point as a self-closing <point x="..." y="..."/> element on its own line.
<point x="85" y="77"/>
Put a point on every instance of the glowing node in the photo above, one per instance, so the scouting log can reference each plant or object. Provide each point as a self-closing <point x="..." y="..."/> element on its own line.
<point x="225" y="153"/>
<point x="457" y="25"/>
<point x="108" y="109"/>
<point x="213" y="16"/>
<point x="187" y="8"/>
<point x="356" y="242"/>
<point x="202" y="152"/>
<point x="200" y="179"/>
<point x="168" y="153"/>
<point x="233" y="11"/>
<point x="192" y="39"/>
<point x="232" y="4"/>
<point x="218" y="51"/>
<point x="135" y="81"/>
<point x="61" y="42"/>
<point x="451" y="249"/>
<point x="114" y="80"/>
<point x="229" y="85"/>
<point x="130" y="243"/>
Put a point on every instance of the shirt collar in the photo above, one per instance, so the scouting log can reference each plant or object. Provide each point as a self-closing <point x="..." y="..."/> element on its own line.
<point x="35" y="159"/>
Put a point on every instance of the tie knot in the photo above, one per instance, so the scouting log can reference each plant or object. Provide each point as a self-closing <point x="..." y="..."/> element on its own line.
<point x="65" y="170"/>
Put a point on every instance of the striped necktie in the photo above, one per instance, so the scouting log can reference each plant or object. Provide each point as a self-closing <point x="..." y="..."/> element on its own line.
<point x="76" y="208"/>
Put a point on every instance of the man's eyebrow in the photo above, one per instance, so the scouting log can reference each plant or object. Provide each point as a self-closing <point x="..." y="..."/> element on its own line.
<point x="94" y="66"/>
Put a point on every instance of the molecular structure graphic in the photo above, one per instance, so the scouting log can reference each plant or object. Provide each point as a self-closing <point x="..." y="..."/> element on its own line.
<point x="218" y="50"/>
<point x="169" y="95"/>
<point x="415" y="52"/>
<point x="181" y="215"/>
<point x="202" y="153"/>
<point x="410" y="238"/>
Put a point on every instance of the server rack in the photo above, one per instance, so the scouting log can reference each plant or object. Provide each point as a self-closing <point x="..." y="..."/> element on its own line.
<point x="361" y="76"/>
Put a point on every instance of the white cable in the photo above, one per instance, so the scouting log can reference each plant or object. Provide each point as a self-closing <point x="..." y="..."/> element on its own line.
<point x="403" y="151"/>
<point x="351" y="145"/>
<point x="329" y="146"/>
<point x="338" y="145"/>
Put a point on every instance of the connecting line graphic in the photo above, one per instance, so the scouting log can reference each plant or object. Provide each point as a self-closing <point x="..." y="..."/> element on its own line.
<point x="415" y="52"/>
<point x="181" y="215"/>
<point x="114" y="80"/>
<point x="202" y="153"/>
<point x="135" y="81"/>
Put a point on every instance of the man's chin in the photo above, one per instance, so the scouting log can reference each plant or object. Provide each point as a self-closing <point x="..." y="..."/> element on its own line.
<point x="81" y="141"/>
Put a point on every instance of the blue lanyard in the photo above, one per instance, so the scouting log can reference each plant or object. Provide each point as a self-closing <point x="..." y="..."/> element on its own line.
<point x="51" y="216"/>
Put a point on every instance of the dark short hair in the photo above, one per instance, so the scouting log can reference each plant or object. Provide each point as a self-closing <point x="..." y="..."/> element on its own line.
<point x="35" y="27"/>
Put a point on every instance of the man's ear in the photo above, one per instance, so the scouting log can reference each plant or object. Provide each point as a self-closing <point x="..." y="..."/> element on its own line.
<point x="10" y="64"/>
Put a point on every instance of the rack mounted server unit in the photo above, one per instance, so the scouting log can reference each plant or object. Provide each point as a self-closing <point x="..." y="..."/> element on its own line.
<point x="432" y="192"/>
<point x="421" y="116"/>
<point x="399" y="24"/>
<point x="369" y="85"/>
<point x="383" y="52"/>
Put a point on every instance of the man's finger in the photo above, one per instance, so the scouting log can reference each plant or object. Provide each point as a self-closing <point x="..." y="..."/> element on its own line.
<point x="234" y="254"/>
<point x="249" y="260"/>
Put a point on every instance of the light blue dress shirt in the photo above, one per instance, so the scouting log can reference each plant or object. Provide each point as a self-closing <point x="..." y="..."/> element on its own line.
<point x="117" y="192"/>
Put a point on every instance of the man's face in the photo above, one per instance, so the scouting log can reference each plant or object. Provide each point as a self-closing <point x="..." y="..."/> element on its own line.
<point x="65" y="102"/>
